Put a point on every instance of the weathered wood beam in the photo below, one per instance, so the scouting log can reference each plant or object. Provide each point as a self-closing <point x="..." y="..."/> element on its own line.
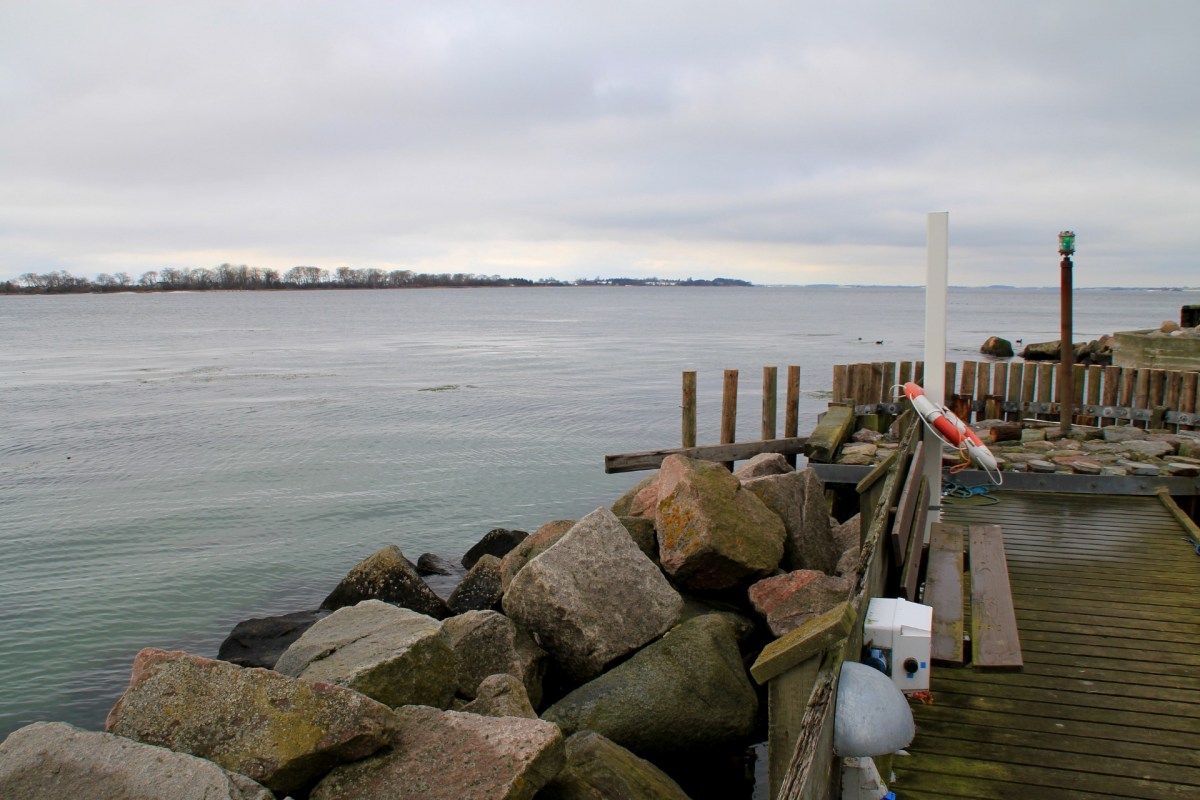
<point x="739" y="451"/>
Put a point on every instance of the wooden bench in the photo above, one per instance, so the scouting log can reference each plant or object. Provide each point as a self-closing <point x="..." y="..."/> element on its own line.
<point x="995" y="642"/>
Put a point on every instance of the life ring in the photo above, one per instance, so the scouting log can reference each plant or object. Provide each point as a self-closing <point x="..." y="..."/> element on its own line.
<point x="952" y="430"/>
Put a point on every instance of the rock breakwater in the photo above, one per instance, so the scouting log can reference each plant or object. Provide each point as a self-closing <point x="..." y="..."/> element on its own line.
<point x="591" y="658"/>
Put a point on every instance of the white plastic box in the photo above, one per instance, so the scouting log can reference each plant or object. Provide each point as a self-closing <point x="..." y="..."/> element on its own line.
<point x="903" y="631"/>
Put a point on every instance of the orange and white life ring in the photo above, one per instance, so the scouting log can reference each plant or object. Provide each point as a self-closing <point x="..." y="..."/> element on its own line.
<point x="946" y="424"/>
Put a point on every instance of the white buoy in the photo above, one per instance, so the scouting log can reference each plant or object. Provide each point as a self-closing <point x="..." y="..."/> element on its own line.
<point x="872" y="717"/>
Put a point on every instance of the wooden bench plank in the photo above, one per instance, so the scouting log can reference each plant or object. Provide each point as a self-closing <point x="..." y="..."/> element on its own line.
<point x="907" y="506"/>
<point x="995" y="643"/>
<point x="944" y="591"/>
<point x="911" y="569"/>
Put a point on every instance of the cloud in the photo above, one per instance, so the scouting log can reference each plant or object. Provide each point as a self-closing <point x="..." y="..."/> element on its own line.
<point x="779" y="142"/>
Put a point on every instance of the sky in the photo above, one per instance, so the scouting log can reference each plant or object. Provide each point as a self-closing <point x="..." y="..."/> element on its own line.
<point x="788" y="142"/>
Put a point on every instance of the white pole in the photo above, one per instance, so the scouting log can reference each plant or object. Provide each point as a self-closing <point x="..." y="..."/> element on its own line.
<point x="936" y="278"/>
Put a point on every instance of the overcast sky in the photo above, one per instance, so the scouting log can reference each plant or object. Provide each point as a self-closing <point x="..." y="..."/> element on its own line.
<point x="781" y="142"/>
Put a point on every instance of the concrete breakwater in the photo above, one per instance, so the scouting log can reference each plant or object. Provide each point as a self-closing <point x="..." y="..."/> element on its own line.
<point x="600" y="657"/>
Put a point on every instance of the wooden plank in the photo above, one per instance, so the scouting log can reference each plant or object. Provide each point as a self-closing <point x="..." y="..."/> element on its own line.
<point x="815" y="636"/>
<point x="652" y="459"/>
<point x="995" y="643"/>
<point x="944" y="591"/>
<point x="1000" y="378"/>
<point x="787" y="701"/>
<point x="906" y="372"/>
<point x="1158" y="388"/>
<point x="919" y="373"/>
<point x="906" y="507"/>
<point x="911" y="568"/>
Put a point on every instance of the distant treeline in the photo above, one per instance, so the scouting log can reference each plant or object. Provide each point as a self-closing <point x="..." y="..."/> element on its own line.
<point x="241" y="277"/>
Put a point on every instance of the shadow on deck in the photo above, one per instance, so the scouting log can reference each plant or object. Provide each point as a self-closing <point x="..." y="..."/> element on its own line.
<point x="1107" y="597"/>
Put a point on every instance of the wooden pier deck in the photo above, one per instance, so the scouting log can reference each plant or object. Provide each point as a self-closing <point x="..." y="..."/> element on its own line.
<point x="1107" y="598"/>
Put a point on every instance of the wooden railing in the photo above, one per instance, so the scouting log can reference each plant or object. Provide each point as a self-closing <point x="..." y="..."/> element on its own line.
<point x="1148" y="398"/>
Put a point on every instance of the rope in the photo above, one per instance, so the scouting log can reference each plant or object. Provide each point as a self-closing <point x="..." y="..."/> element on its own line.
<point x="953" y="490"/>
<point x="1195" y="544"/>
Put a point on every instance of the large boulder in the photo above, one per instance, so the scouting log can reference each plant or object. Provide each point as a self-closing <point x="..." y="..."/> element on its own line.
<point x="260" y="642"/>
<point x="599" y="769"/>
<point x="641" y="530"/>
<point x="712" y="534"/>
<point x="501" y="696"/>
<point x="496" y="542"/>
<point x="387" y="575"/>
<point x="480" y="589"/>
<point x="688" y="690"/>
<point x="798" y="498"/>
<point x="788" y="601"/>
<point x="593" y="597"/>
<point x="53" y="760"/>
<point x="449" y="755"/>
<point x="762" y="465"/>
<point x="531" y="547"/>
<point x="390" y="654"/>
<point x="623" y="507"/>
<point x="486" y="643"/>
<point x="997" y="347"/>
<point x="281" y="732"/>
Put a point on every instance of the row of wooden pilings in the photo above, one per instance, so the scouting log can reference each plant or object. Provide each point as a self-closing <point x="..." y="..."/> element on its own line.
<point x="1153" y="398"/>
<point x="770" y="392"/>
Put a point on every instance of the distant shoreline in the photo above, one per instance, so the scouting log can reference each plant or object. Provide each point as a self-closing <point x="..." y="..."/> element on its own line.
<point x="248" y="279"/>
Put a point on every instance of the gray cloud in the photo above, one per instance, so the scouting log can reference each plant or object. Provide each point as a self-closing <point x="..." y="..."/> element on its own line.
<point x="780" y="142"/>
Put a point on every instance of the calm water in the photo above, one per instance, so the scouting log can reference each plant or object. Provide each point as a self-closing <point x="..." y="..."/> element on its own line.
<point x="171" y="464"/>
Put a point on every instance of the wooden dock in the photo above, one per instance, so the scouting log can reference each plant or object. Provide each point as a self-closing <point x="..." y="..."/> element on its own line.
<point x="1107" y="598"/>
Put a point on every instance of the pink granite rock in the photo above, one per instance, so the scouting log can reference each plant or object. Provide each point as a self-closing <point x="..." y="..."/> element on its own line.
<point x="788" y="601"/>
<point x="449" y="755"/>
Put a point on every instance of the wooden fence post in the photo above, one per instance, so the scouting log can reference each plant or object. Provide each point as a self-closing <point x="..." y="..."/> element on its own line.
<point x="729" y="410"/>
<point x="689" y="410"/>
<point x="769" y="401"/>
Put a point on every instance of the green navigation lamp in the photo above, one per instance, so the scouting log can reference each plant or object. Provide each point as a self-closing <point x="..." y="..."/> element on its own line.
<point x="1066" y="243"/>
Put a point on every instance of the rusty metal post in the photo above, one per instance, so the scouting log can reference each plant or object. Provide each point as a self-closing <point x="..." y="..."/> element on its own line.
<point x="1066" y="362"/>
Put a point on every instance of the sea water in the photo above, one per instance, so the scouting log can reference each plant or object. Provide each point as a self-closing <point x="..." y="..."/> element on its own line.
<point x="171" y="464"/>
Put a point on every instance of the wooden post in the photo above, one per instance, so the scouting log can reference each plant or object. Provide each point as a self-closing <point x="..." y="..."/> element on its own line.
<point x="906" y="372"/>
<point x="1108" y="395"/>
<point x="769" y="401"/>
<point x="1078" y="372"/>
<point x="1016" y="374"/>
<point x="983" y="382"/>
<point x="1046" y="383"/>
<point x="689" y="410"/>
<point x="1187" y="396"/>
<point x="729" y="410"/>
<point x="840" y="379"/>
<point x="1094" y="380"/>
<point x="1028" y="382"/>
<point x="890" y="392"/>
<point x="791" y="415"/>
<point x="1141" y="390"/>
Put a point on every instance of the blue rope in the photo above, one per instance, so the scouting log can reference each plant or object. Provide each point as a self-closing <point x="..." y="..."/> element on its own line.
<point x="952" y="490"/>
<point x="1195" y="545"/>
